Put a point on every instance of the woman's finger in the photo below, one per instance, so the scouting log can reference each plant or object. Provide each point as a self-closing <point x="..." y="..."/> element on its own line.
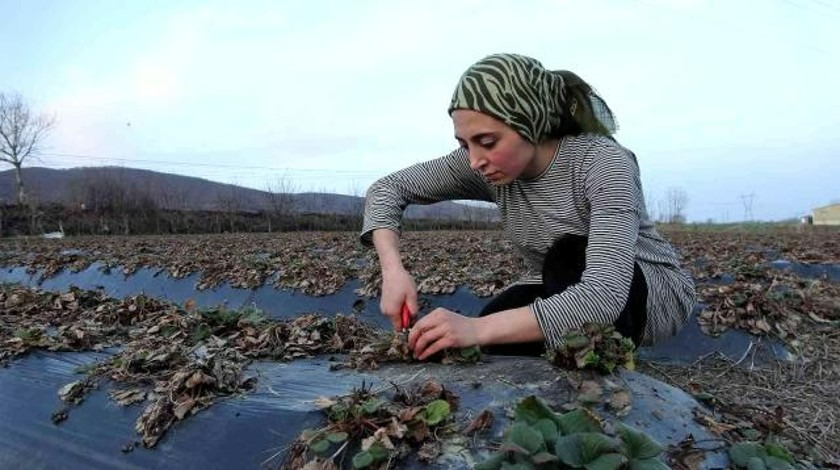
<point x="440" y="344"/>
<point x="428" y="322"/>
<point x="425" y="338"/>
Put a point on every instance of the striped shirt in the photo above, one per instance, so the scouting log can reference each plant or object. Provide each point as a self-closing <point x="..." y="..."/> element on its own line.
<point x="591" y="188"/>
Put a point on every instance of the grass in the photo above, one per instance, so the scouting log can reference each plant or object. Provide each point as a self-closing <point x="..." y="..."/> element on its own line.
<point x="798" y="401"/>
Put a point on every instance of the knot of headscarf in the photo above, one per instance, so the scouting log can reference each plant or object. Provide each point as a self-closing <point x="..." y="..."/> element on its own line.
<point x="520" y="92"/>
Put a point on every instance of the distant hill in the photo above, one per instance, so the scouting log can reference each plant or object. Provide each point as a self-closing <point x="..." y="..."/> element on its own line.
<point x="84" y="185"/>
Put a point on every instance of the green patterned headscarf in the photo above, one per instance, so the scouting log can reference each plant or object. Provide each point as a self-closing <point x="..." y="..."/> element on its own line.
<point x="520" y="92"/>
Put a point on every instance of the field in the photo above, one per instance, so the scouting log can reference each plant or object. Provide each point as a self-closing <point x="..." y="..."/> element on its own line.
<point x="798" y="303"/>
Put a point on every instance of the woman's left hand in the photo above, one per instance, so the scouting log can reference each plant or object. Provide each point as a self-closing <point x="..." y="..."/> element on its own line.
<point x="440" y="330"/>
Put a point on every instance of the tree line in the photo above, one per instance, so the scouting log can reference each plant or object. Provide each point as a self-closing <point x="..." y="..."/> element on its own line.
<point x="101" y="203"/>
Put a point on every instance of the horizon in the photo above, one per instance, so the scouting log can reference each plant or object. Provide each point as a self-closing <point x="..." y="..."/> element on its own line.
<point x="734" y="104"/>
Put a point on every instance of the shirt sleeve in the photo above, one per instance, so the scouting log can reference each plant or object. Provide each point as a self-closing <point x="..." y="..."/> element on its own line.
<point x="445" y="178"/>
<point x="613" y="190"/>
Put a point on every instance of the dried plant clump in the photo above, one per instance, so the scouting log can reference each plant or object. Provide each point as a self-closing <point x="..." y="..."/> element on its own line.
<point x="597" y="346"/>
<point x="376" y="431"/>
<point x="178" y="361"/>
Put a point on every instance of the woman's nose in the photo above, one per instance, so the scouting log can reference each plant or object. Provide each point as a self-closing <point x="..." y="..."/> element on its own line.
<point x="477" y="160"/>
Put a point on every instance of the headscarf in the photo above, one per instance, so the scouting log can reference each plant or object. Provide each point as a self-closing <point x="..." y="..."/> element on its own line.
<point x="520" y="92"/>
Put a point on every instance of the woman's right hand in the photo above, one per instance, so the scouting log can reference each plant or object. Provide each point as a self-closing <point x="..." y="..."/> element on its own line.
<point x="398" y="287"/>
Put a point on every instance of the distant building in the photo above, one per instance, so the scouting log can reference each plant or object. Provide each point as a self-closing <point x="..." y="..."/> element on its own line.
<point x="827" y="215"/>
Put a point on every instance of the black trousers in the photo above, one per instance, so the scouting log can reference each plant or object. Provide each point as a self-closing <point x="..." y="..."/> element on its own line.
<point x="563" y="267"/>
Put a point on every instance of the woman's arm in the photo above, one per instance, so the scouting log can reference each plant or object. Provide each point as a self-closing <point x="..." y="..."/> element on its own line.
<point x="398" y="286"/>
<point x="445" y="178"/>
<point x="448" y="177"/>
<point x="442" y="329"/>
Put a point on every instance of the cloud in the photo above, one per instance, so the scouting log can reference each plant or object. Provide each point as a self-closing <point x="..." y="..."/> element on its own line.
<point x="365" y="85"/>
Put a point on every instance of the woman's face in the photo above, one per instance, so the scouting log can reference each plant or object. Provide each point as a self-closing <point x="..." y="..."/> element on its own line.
<point x="494" y="149"/>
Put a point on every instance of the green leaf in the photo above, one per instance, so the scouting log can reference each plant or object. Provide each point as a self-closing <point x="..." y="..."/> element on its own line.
<point x="201" y="333"/>
<point x="595" y="444"/>
<point x="168" y="330"/>
<point x="339" y="412"/>
<point x="648" y="464"/>
<point x="607" y="365"/>
<point x="548" y="429"/>
<point x="775" y="463"/>
<point x="378" y="452"/>
<point x="578" y="450"/>
<point x="568" y="450"/>
<point x="436" y="412"/>
<point x="591" y="359"/>
<point x="577" y="421"/>
<point x="516" y="466"/>
<point x="308" y="434"/>
<point x="629" y="361"/>
<point x="320" y="446"/>
<point x="362" y="459"/>
<point x="742" y="452"/>
<point x="337" y="437"/>
<point x="526" y="437"/>
<point x="756" y="463"/>
<point x="611" y="461"/>
<point x="543" y="458"/>
<point x="371" y="405"/>
<point x="494" y="462"/>
<point x="638" y="445"/>
<point x="532" y="409"/>
<point x="508" y="447"/>
<point x="576" y="341"/>
<point x="473" y="353"/>
<point x="704" y="396"/>
<point x="777" y="450"/>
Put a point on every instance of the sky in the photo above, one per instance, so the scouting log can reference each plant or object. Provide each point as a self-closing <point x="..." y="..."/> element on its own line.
<point x="734" y="103"/>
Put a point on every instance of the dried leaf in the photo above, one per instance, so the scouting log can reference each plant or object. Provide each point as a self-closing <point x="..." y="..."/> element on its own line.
<point x="620" y="402"/>
<point x="183" y="408"/>
<point x="484" y="420"/>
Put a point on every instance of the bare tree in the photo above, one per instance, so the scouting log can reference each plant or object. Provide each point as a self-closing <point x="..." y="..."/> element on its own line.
<point x="281" y="199"/>
<point x="677" y="202"/>
<point x="357" y="205"/>
<point x="470" y="213"/>
<point x="21" y="134"/>
<point x="229" y="201"/>
<point x="651" y="209"/>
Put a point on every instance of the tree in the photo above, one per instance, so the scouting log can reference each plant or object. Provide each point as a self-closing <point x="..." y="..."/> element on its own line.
<point x="21" y="134"/>
<point x="281" y="201"/>
<point x="677" y="202"/>
<point x="229" y="201"/>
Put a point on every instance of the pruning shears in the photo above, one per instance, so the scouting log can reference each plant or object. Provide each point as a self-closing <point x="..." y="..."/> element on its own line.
<point x="405" y="323"/>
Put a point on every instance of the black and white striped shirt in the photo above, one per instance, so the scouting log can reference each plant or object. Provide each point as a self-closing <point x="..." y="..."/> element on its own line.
<point x="591" y="188"/>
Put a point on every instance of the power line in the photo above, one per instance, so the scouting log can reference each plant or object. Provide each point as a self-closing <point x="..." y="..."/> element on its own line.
<point x="816" y="4"/>
<point x="717" y="23"/>
<point x="214" y="165"/>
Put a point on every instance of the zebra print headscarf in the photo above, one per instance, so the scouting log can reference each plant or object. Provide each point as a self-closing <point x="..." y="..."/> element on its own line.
<point x="520" y="92"/>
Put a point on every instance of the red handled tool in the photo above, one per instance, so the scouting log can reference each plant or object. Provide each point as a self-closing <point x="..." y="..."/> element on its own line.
<point x="406" y="318"/>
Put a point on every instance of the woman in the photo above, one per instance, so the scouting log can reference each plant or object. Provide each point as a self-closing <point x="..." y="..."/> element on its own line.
<point x="538" y="144"/>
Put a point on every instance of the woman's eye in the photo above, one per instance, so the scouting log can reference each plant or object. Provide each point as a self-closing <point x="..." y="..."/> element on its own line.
<point x="488" y="144"/>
